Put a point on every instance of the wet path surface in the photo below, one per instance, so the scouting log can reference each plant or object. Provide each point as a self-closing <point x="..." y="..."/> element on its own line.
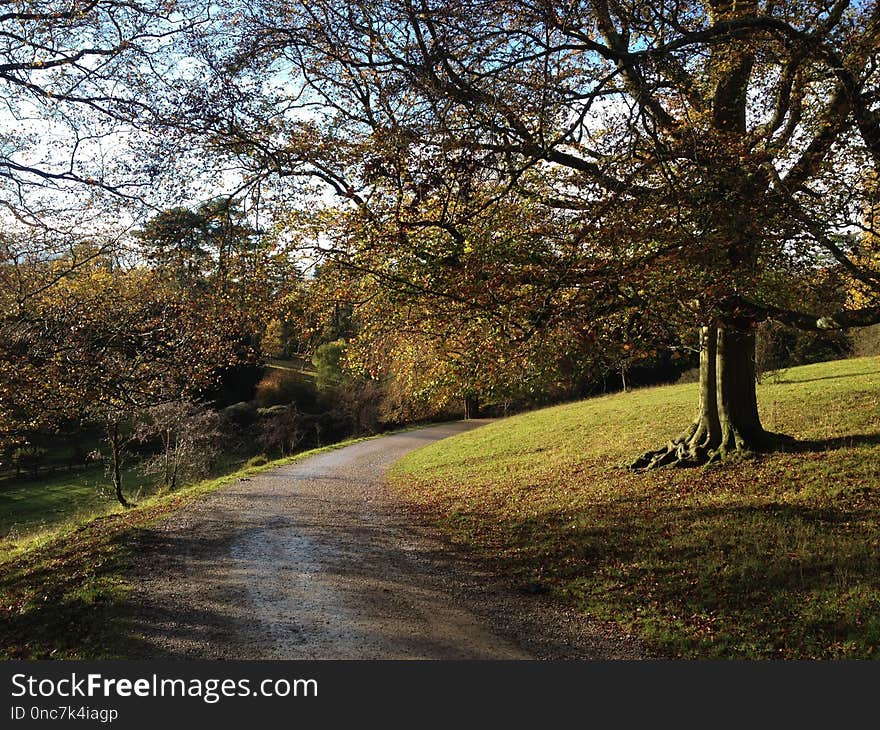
<point x="317" y="560"/>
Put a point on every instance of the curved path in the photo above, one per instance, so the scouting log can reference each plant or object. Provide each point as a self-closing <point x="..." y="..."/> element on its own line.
<point x="318" y="560"/>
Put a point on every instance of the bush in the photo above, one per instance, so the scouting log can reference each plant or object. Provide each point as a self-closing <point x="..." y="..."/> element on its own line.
<point x="866" y="341"/>
<point x="690" y="376"/>
<point x="280" y="387"/>
<point x="189" y="435"/>
<point x="328" y="362"/>
<point x="282" y="428"/>
<point x="239" y="415"/>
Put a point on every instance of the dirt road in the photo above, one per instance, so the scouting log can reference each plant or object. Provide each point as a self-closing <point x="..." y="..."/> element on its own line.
<point x="318" y="560"/>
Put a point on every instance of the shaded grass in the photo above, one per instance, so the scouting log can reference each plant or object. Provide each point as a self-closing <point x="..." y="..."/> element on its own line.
<point x="773" y="557"/>
<point x="63" y="591"/>
<point x="60" y="454"/>
<point x="49" y="502"/>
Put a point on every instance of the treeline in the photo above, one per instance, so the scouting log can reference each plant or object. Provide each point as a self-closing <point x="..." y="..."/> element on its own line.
<point x="130" y="339"/>
<point x="202" y="342"/>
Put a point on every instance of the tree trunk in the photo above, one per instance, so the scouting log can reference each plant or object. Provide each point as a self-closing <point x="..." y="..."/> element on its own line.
<point x="741" y="428"/>
<point x="471" y="407"/>
<point x="693" y="445"/>
<point x="174" y="457"/>
<point x="727" y="421"/>
<point x="116" y="456"/>
<point x="166" y="457"/>
<point x="707" y="427"/>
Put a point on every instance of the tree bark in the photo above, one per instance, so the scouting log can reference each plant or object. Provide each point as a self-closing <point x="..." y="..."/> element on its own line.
<point x="741" y="428"/>
<point x="116" y="456"/>
<point x="727" y="421"/>
<point x="471" y="407"/>
<point x="694" y="444"/>
<point x="174" y="460"/>
<point x="707" y="429"/>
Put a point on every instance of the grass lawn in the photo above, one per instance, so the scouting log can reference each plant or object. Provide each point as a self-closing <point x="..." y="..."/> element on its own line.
<point x="301" y="367"/>
<point x="775" y="557"/>
<point x="28" y="506"/>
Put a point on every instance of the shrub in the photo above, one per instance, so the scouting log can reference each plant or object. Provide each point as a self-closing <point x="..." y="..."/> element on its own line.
<point x="282" y="428"/>
<point x="282" y="387"/>
<point x="328" y="361"/>
<point x="779" y="346"/>
<point x="189" y="435"/>
<point x="239" y="415"/>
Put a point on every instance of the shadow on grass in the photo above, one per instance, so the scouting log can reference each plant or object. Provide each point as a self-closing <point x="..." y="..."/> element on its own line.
<point x="750" y="581"/>
<point x="831" y="444"/>
<point x="74" y="602"/>
<point x="792" y="381"/>
<point x="63" y="602"/>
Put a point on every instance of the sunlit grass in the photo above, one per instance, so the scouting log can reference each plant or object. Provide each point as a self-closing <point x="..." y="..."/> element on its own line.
<point x="32" y="506"/>
<point x="773" y="557"/>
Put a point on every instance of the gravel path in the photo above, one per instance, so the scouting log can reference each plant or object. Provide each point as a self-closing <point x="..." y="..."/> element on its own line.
<point x="317" y="560"/>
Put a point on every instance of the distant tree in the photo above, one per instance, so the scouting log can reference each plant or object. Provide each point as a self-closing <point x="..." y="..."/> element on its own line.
<point x="210" y="245"/>
<point x="190" y="436"/>
<point x="273" y="343"/>
<point x="178" y="241"/>
<point x="107" y="343"/>
<point x="780" y="347"/>
<point x="329" y="364"/>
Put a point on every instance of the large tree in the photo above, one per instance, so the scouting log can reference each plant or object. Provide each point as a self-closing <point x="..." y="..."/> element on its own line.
<point x="701" y="159"/>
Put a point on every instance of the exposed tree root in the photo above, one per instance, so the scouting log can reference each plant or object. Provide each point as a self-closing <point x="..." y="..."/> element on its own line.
<point x="696" y="447"/>
<point x="690" y="448"/>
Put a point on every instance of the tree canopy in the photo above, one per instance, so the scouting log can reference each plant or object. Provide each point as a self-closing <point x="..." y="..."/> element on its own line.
<point x="703" y="162"/>
<point x="510" y="179"/>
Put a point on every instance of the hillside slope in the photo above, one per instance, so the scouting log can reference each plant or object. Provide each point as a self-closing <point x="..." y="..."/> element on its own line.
<point x="773" y="557"/>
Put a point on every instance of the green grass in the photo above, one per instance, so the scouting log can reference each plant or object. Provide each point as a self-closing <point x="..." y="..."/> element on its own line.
<point x="63" y="590"/>
<point x="301" y="367"/>
<point x="776" y="557"/>
<point x="28" y="506"/>
<point x="35" y="509"/>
